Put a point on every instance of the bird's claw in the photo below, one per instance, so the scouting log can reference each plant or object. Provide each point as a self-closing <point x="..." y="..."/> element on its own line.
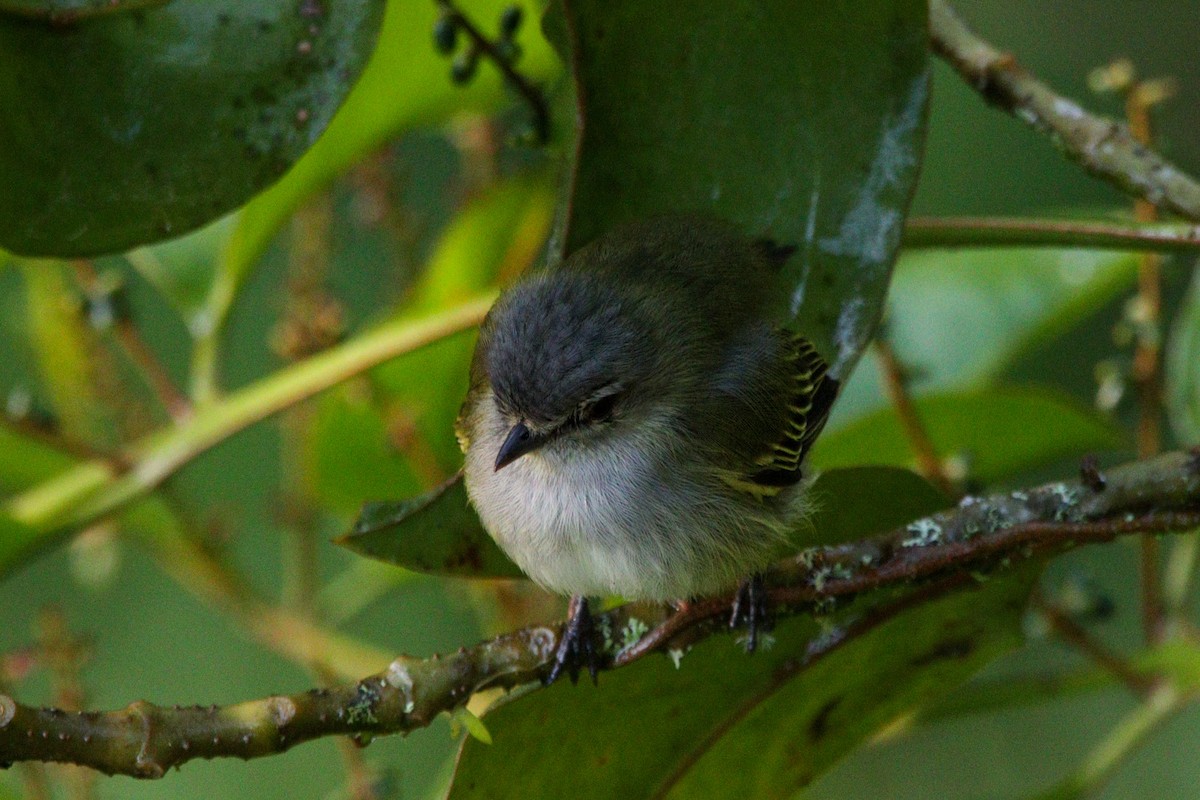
<point x="750" y="611"/>
<point x="577" y="648"/>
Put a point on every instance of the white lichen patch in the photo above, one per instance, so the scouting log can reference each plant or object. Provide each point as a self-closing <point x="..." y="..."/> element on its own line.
<point x="676" y="655"/>
<point x="925" y="532"/>
<point x="397" y="677"/>
<point x="606" y="633"/>
<point x="282" y="709"/>
<point x="1067" y="498"/>
<point x="819" y="577"/>
<point x="542" y="641"/>
<point x="634" y="630"/>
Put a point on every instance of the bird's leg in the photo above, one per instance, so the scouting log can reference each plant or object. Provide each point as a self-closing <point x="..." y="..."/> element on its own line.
<point x="750" y="610"/>
<point x="577" y="647"/>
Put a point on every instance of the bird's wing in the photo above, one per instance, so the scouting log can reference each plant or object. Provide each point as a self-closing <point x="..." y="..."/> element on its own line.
<point x="811" y="397"/>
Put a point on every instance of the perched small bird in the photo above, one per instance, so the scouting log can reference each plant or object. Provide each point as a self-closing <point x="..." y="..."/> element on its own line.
<point x="637" y="420"/>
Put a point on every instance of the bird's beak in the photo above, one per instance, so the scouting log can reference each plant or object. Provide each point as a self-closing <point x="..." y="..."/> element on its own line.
<point x="520" y="440"/>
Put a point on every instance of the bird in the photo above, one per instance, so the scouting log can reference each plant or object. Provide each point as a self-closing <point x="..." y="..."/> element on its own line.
<point x="637" y="421"/>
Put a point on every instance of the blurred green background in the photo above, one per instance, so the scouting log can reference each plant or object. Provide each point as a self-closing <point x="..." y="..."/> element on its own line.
<point x="151" y="640"/>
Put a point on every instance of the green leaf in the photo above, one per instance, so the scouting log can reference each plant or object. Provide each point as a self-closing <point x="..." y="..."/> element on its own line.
<point x="1183" y="368"/>
<point x="730" y="725"/>
<point x="800" y="121"/>
<point x="347" y="455"/>
<point x="182" y="271"/>
<point x="854" y="503"/>
<point x="61" y="12"/>
<point x="981" y="310"/>
<point x="406" y="84"/>
<point x="999" y="431"/>
<point x="436" y="532"/>
<point x="961" y="318"/>
<point x="183" y="112"/>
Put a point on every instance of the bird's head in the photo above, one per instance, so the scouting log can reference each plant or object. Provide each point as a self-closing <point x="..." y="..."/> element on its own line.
<point x="570" y="361"/>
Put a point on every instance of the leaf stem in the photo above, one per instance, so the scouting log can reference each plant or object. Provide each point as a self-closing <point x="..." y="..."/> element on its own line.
<point x="1075" y="635"/>
<point x="1126" y="736"/>
<point x="929" y="464"/>
<point x="954" y="232"/>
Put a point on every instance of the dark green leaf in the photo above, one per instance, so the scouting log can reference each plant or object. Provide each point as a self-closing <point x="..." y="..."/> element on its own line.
<point x="728" y="725"/>
<point x="347" y="455"/>
<point x="851" y="504"/>
<point x="1000" y="432"/>
<point x="799" y="121"/>
<point x="168" y="117"/>
<point x="182" y="270"/>
<point x="436" y="532"/>
<point x="960" y="318"/>
<point x="61" y="12"/>
<point x="1183" y="368"/>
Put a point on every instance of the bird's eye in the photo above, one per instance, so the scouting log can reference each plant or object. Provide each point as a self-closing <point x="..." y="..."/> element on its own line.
<point x="599" y="410"/>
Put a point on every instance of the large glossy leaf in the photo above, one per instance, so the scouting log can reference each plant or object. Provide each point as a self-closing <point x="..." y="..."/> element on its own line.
<point x="801" y="120"/>
<point x="999" y="431"/>
<point x="132" y="127"/>
<point x="960" y="318"/>
<point x="1183" y="368"/>
<point x="728" y="725"/>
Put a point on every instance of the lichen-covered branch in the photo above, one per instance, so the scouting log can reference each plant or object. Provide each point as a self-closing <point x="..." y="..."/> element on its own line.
<point x="931" y="556"/>
<point x="1104" y="147"/>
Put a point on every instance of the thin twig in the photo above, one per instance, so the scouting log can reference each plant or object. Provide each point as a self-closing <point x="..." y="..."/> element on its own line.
<point x="929" y="465"/>
<point x="955" y="232"/>
<point x="1103" y="147"/>
<point x="532" y="94"/>
<point x="925" y="559"/>
<point x="1147" y="369"/>
<point x="1075" y="635"/>
<point x="176" y="404"/>
<point x="1122" y="740"/>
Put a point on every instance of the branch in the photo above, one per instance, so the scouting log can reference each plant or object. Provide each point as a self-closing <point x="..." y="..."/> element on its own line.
<point x="1163" y="237"/>
<point x="930" y="556"/>
<point x="1104" y="147"/>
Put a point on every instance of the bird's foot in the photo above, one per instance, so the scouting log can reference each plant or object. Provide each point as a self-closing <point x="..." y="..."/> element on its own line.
<point x="578" y="647"/>
<point x="750" y="611"/>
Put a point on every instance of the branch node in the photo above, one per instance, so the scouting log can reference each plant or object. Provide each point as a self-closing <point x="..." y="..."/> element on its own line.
<point x="1090" y="474"/>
